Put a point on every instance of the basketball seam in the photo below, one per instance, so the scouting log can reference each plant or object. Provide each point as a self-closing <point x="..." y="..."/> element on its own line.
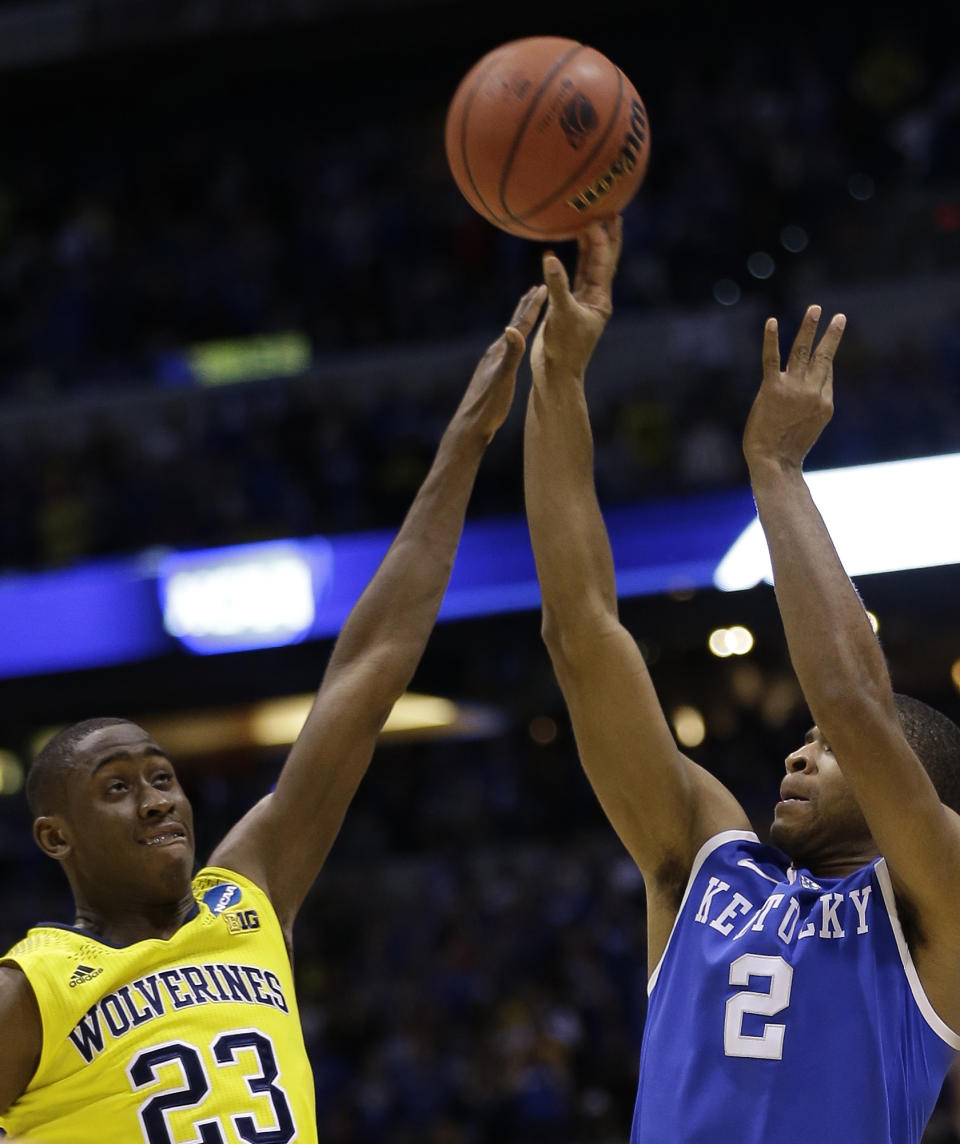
<point x="511" y="154"/>
<point x="586" y="163"/>
<point x="464" y="119"/>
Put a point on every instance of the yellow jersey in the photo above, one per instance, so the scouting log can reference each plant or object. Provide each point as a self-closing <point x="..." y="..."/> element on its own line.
<point x="191" y="1040"/>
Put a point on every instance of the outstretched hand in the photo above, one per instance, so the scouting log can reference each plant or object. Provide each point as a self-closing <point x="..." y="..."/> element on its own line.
<point x="793" y="405"/>
<point x="490" y="392"/>
<point x="575" y="319"/>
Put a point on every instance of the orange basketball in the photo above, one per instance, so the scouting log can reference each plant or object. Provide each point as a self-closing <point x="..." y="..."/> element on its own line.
<point x="545" y="135"/>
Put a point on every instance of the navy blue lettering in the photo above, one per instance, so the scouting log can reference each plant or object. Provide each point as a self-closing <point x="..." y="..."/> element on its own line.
<point x="115" y="1015"/>
<point x="170" y="978"/>
<point x="198" y="984"/>
<point x="150" y="988"/>
<point x="135" y="1018"/>
<point x="238" y="991"/>
<point x="88" y="1035"/>
<point x="255" y="977"/>
<point x="212" y="971"/>
<point x="277" y="990"/>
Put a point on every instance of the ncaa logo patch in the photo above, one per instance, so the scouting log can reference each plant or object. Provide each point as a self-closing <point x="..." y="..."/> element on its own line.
<point x="221" y="897"/>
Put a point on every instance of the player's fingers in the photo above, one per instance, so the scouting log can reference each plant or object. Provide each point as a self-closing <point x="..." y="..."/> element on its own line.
<point x="528" y="310"/>
<point x="614" y="229"/>
<point x="503" y="356"/>
<point x="803" y="342"/>
<point x="603" y="249"/>
<point x="558" y="285"/>
<point x="771" y="349"/>
<point x="524" y="318"/>
<point x="598" y="251"/>
<point x="515" y="345"/>
<point x="509" y="347"/>
<point x="583" y="253"/>
<point x="596" y="266"/>
<point x="824" y="353"/>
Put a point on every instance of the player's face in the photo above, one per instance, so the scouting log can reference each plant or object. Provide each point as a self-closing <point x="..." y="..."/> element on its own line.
<point x="129" y="823"/>
<point x="817" y="821"/>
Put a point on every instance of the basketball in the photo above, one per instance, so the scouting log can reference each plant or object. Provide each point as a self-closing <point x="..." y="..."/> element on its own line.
<point x="544" y="135"/>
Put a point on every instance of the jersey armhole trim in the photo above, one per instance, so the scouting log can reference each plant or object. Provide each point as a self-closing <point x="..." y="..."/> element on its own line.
<point x="703" y="854"/>
<point x="245" y="880"/>
<point x="929" y="1014"/>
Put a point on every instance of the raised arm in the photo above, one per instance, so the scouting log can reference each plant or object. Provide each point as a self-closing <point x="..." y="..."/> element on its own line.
<point x="282" y="843"/>
<point x="661" y="804"/>
<point x="836" y="656"/>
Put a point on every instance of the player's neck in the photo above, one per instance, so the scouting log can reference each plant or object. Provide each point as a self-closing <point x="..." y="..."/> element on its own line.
<point x="139" y="922"/>
<point x="838" y="864"/>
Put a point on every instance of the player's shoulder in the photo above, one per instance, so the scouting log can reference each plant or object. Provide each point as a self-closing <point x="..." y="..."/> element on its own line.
<point x="242" y="904"/>
<point x="220" y="888"/>
<point x="17" y="998"/>
<point x="731" y="847"/>
<point x="22" y="1033"/>
<point x="18" y="1003"/>
<point x="13" y="982"/>
<point x="227" y="893"/>
<point x="43" y="941"/>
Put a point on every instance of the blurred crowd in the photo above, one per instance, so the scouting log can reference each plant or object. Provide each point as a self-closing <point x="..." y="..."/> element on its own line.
<point x="303" y="456"/>
<point x="238" y="212"/>
<point x="470" y="964"/>
<point x="454" y="990"/>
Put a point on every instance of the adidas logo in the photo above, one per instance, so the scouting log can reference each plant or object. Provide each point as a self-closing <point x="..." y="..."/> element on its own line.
<point x="84" y="973"/>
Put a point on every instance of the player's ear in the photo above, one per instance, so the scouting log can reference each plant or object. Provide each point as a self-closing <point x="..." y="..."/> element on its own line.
<point x="50" y="835"/>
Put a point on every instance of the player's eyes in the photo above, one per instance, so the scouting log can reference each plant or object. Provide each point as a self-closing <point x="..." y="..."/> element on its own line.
<point x="119" y="786"/>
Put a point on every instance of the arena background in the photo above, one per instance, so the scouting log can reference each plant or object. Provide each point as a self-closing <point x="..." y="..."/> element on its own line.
<point x="239" y="297"/>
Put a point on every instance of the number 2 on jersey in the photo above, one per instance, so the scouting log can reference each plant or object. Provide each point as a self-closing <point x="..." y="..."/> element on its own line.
<point x="768" y="1045"/>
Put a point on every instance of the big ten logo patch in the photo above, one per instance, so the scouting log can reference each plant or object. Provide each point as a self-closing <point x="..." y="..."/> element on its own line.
<point x="242" y="921"/>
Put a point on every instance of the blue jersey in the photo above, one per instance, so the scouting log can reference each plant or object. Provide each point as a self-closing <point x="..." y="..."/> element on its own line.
<point x="787" y="1008"/>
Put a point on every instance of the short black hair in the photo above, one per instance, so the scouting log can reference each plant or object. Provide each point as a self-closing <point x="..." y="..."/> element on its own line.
<point x="935" y="740"/>
<point x="44" y="786"/>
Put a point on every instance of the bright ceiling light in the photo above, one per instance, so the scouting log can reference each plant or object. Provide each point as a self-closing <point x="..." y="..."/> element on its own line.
<point x="725" y="642"/>
<point x="277" y="723"/>
<point x="717" y="643"/>
<point x="883" y="518"/>
<point x="11" y="773"/>
<point x="688" y="726"/>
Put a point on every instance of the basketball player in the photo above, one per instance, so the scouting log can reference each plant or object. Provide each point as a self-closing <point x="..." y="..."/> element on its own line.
<point x="805" y="990"/>
<point x="166" y="1012"/>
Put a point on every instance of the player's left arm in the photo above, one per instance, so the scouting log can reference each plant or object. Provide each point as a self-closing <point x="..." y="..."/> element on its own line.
<point x="836" y="655"/>
<point x="283" y="841"/>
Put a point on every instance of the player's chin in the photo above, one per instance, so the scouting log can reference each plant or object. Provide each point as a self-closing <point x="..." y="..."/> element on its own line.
<point x="172" y="856"/>
<point x="785" y="837"/>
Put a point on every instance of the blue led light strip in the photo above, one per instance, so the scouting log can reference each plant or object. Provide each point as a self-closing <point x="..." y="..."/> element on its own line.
<point x="111" y="612"/>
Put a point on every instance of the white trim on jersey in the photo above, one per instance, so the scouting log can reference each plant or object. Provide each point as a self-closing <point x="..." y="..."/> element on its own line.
<point x="940" y="1027"/>
<point x="703" y="854"/>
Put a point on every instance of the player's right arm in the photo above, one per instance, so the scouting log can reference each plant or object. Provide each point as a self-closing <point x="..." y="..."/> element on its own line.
<point x="22" y="1037"/>
<point x="661" y="804"/>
